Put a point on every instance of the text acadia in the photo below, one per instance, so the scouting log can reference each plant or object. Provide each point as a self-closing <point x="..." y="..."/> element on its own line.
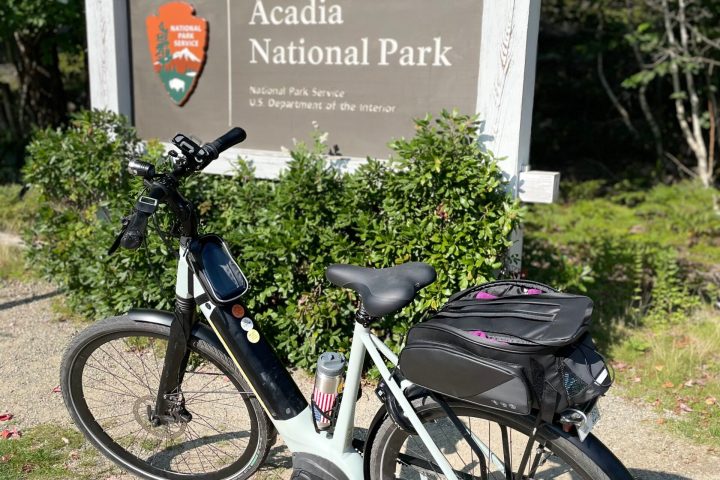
<point x="316" y="12"/>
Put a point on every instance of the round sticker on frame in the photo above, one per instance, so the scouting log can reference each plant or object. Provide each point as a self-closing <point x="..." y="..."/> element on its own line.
<point x="246" y="324"/>
<point x="253" y="336"/>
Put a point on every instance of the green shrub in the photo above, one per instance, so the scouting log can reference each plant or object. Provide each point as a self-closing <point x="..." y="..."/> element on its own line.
<point x="440" y="199"/>
<point x="85" y="190"/>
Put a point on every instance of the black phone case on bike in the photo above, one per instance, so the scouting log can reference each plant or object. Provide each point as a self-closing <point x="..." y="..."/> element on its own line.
<point x="221" y="277"/>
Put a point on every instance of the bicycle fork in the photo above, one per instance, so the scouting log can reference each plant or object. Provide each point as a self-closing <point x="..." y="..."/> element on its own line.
<point x="169" y="404"/>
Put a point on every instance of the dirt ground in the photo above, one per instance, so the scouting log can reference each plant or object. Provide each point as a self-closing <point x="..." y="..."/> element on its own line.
<point x="31" y="346"/>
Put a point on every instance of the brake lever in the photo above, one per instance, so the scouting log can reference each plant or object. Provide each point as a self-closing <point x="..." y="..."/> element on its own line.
<point x="113" y="248"/>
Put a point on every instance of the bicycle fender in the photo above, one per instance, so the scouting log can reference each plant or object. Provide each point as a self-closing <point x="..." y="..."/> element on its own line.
<point x="600" y="454"/>
<point x="165" y="318"/>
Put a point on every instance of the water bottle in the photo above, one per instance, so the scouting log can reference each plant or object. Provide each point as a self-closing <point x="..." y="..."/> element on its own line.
<point x="329" y="382"/>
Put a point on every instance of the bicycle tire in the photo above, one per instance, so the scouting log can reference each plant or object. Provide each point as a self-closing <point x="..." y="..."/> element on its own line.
<point x="390" y="439"/>
<point x="110" y="329"/>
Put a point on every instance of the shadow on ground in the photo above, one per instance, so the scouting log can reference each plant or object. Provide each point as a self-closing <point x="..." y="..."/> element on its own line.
<point x="24" y="301"/>
<point x="641" y="474"/>
<point x="279" y="457"/>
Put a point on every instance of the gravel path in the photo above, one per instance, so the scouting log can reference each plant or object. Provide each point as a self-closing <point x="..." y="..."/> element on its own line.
<point x="31" y="346"/>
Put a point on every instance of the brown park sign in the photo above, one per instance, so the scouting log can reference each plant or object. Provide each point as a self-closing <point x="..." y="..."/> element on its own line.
<point x="361" y="69"/>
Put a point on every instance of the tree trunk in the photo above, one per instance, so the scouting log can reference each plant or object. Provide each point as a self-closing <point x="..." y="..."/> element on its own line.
<point x="43" y="101"/>
<point x="701" y="154"/>
<point x="696" y="143"/>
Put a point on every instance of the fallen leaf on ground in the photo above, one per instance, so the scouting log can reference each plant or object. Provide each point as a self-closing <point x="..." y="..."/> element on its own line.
<point x="65" y="441"/>
<point x="5" y="458"/>
<point x="637" y="380"/>
<point x="6" y="417"/>
<point x="684" y="408"/>
<point x="10" y="433"/>
<point x="659" y="368"/>
<point x="668" y="384"/>
<point x="710" y="401"/>
<point x="689" y="383"/>
<point x="619" y="366"/>
<point x="74" y="455"/>
<point x="27" y="468"/>
<point x="56" y="389"/>
<point x="660" y="421"/>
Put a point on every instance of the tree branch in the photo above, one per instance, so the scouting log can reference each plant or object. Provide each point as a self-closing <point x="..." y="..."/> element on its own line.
<point x="680" y="165"/>
<point x="613" y="98"/>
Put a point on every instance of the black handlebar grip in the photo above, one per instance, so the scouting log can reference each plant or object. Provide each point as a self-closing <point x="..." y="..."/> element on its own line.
<point x="230" y="139"/>
<point x="136" y="230"/>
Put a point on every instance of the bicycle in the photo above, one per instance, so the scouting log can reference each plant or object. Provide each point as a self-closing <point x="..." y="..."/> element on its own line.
<point x="166" y="395"/>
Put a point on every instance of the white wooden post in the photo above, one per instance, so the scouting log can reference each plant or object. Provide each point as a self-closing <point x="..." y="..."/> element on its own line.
<point x="505" y="87"/>
<point x="109" y="55"/>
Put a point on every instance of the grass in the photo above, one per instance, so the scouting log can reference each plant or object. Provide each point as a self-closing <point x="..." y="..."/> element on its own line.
<point x="47" y="452"/>
<point x="12" y="263"/>
<point x="676" y="369"/>
<point x="15" y="210"/>
<point x="14" y="219"/>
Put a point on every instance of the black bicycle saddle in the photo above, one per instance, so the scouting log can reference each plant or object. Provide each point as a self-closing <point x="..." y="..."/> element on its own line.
<point x="383" y="290"/>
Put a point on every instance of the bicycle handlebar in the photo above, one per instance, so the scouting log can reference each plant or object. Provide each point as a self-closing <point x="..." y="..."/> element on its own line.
<point x="211" y="151"/>
<point x="163" y="187"/>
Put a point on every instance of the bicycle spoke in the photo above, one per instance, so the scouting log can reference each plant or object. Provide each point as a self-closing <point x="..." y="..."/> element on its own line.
<point x="202" y="390"/>
<point x="131" y="370"/>
<point x="506" y="452"/>
<point x="115" y="376"/>
<point x="216" y="430"/>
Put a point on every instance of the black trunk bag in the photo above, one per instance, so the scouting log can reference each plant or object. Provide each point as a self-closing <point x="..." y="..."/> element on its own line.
<point x="521" y="345"/>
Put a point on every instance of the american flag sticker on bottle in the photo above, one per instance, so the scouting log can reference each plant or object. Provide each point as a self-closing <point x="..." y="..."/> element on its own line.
<point x="324" y="402"/>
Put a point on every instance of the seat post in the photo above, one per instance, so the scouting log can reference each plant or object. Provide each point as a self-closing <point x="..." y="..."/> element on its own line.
<point x="364" y="318"/>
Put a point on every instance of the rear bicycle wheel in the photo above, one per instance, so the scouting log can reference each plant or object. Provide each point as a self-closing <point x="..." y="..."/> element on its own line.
<point x="110" y="376"/>
<point x="396" y="454"/>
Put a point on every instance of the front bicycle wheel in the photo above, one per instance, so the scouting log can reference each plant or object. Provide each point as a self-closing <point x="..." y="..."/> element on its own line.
<point x="396" y="454"/>
<point x="110" y="376"/>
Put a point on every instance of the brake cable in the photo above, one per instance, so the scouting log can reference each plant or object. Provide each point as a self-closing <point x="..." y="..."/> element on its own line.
<point x="163" y="236"/>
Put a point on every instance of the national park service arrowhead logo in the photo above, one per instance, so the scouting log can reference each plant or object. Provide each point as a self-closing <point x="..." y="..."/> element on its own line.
<point x="177" y="41"/>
